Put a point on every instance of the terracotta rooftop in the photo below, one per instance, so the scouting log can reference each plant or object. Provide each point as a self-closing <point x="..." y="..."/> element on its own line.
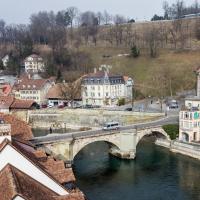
<point x="22" y="104"/>
<point x="56" y="92"/>
<point x="14" y="182"/>
<point x="6" y="101"/>
<point x="30" y="84"/>
<point x="19" y="128"/>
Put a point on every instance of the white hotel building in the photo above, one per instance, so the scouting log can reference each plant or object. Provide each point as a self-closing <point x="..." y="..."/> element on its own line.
<point x="103" y="88"/>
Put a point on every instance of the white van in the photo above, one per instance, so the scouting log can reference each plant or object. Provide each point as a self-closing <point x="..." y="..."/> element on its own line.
<point x="111" y="126"/>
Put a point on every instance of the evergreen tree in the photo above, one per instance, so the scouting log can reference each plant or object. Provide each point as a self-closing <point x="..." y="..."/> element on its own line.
<point x="135" y="52"/>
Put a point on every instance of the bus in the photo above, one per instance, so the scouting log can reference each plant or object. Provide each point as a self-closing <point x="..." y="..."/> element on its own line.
<point x="111" y="126"/>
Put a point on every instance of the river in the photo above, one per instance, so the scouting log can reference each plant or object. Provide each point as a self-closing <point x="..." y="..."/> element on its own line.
<point x="155" y="174"/>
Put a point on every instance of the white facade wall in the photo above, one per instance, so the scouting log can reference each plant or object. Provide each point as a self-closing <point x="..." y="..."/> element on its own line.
<point x="38" y="96"/>
<point x="18" y="198"/>
<point x="97" y="94"/>
<point x="189" y="126"/>
<point x="34" y="66"/>
<point x="191" y="103"/>
<point x="10" y="156"/>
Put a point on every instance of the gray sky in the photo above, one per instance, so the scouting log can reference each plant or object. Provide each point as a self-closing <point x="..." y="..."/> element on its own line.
<point x="19" y="11"/>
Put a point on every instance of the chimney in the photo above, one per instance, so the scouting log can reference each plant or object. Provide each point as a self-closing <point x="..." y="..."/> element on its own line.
<point x="95" y="70"/>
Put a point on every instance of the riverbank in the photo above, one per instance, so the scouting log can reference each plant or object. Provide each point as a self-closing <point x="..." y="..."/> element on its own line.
<point x="191" y="150"/>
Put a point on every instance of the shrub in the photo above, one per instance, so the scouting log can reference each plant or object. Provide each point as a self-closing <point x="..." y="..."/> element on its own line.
<point x="121" y="102"/>
<point x="135" y="52"/>
<point x="172" y="130"/>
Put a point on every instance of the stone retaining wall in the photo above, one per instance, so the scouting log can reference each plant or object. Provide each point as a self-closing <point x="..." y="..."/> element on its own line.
<point x="192" y="150"/>
<point x="86" y="117"/>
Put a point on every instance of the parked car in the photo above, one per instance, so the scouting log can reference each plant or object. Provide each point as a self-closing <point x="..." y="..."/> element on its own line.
<point x="88" y="106"/>
<point x="173" y="104"/>
<point x="43" y="105"/>
<point x="50" y="106"/>
<point x="128" y="109"/>
<point x="61" y="106"/>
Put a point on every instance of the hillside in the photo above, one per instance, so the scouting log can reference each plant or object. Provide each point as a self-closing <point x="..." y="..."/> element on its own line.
<point x="170" y="67"/>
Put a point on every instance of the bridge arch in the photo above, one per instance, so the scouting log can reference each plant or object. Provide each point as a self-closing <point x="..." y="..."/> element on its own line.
<point x="147" y="132"/>
<point x="78" y="145"/>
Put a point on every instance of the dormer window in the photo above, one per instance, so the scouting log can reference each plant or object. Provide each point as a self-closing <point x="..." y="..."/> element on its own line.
<point x="34" y="86"/>
<point x="29" y="86"/>
<point x="24" y="86"/>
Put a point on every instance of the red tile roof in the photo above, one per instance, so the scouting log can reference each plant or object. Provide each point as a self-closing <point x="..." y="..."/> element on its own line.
<point x="19" y="128"/>
<point x="22" y="104"/>
<point x="14" y="182"/>
<point x="30" y="84"/>
<point x="6" y="101"/>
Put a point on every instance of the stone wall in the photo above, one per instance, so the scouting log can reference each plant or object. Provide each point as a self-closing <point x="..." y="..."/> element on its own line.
<point x="85" y="117"/>
<point x="192" y="150"/>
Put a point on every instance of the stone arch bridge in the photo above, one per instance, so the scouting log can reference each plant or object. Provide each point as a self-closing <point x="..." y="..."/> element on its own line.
<point x="122" y="143"/>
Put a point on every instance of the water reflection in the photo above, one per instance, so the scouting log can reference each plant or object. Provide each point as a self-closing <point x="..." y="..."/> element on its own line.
<point x="156" y="174"/>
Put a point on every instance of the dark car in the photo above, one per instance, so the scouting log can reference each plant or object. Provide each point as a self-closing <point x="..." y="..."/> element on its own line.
<point x="88" y="106"/>
<point x="61" y="106"/>
<point x="173" y="104"/>
<point x="128" y="109"/>
<point x="44" y="105"/>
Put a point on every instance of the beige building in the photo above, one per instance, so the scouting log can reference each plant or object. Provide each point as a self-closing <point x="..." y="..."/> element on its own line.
<point x="34" y="64"/>
<point x="189" y="117"/>
<point x="32" y="89"/>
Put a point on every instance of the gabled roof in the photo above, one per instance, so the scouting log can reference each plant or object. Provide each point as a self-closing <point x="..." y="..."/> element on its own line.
<point x="22" y="104"/>
<point x="6" y="101"/>
<point x="14" y="182"/>
<point x="30" y="84"/>
<point x="19" y="128"/>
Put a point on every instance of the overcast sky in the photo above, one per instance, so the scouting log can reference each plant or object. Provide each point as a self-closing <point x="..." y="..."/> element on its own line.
<point x="19" y="11"/>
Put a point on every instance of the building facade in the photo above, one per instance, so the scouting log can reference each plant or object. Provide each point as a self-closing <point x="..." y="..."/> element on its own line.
<point x="103" y="88"/>
<point x="32" y="89"/>
<point x="34" y="64"/>
<point x="189" y="117"/>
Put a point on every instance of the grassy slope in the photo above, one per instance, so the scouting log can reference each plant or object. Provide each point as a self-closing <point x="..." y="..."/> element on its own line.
<point x="180" y="64"/>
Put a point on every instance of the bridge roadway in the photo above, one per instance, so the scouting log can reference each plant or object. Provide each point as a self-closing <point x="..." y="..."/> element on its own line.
<point x="83" y="134"/>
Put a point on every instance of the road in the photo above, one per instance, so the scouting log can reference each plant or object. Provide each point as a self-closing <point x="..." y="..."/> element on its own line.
<point x="149" y="105"/>
<point x="74" y="135"/>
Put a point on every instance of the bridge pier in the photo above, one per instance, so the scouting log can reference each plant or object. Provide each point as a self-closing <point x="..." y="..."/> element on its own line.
<point x="126" y="148"/>
<point x="127" y="155"/>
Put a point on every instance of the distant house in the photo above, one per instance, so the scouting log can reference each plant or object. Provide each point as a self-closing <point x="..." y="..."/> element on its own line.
<point x="32" y="89"/>
<point x="9" y="103"/>
<point x="62" y="93"/>
<point x="5" y="60"/>
<point x="7" y="79"/>
<point x="34" y="64"/>
<point x="103" y="88"/>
